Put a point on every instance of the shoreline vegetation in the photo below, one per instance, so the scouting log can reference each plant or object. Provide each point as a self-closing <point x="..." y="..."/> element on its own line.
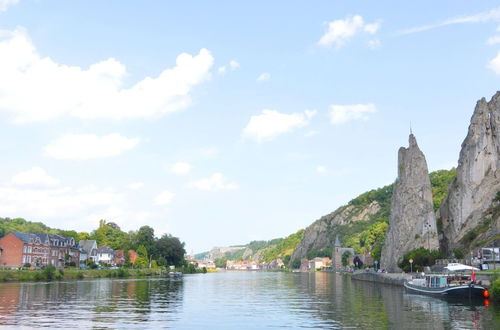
<point x="52" y="274"/>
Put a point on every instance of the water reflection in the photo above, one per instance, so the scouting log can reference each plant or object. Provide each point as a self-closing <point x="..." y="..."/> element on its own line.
<point x="246" y="300"/>
<point x="82" y="304"/>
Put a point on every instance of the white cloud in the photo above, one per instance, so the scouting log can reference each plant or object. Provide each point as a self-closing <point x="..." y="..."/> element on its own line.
<point x="135" y="185"/>
<point x="487" y="16"/>
<point x="494" y="64"/>
<point x="88" y="146"/>
<point x="374" y="44"/>
<point x="340" y="31"/>
<point x="216" y="182"/>
<point x="62" y="202"/>
<point x="164" y="198"/>
<point x="209" y="152"/>
<point x="56" y="89"/>
<point x="35" y="176"/>
<point x="5" y="4"/>
<point x="234" y="65"/>
<point x="264" y="77"/>
<point x="181" y="168"/>
<point x="340" y="114"/>
<point x="321" y="169"/>
<point x="271" y="123"/>
<point x="493" y="40"/>
<point x="311" y="133"/>
<point x="222" y="69"/>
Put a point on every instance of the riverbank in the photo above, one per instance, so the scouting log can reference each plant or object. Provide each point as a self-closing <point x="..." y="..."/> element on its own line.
<point x="385" y="278"/>
<point x="49" y="274"/>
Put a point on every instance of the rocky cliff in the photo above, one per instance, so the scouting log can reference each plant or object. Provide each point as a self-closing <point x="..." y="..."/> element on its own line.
<point x="359" y="214"/>
<point x="464" y="213"/>
<point x="412" y="222"/>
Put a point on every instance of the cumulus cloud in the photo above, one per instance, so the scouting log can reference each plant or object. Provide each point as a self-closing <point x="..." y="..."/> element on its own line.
<point x="55" y="202"/>
<point x="5" y="4"/>
<point x="340" y="31"/>
<point x="493" y="40"/>
<point x="56" y="89"/>
<point x="35" y="176"/>
<point x="264" y="77"/>
<point x="492" y="15"/>
<point x="181" y="168"/>
<point x="164" y="198"/>
<point x="321" y="169"/>
<point x="311" y="133"/>
<point x="271" y="123"/>
<point x="233" y="64"/>
<point x="222" y="69"/>
<point x="216" y="182"/>
<point x="135" y="185"/>
<point x="88" y="146"/>
<point x="340" y="114"/>
<point x="494" y="64"/>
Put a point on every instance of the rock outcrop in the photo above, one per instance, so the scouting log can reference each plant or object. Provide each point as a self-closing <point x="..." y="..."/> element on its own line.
<point x="321" y="234"/>
<point x="478" y="176"/>
<point x="412" y="222"/>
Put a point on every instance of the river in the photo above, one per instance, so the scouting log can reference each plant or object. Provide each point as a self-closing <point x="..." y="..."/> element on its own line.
<point x="235" y="300"/>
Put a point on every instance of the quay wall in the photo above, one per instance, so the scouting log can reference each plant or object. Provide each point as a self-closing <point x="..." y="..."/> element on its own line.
<point x="385" y="278"/>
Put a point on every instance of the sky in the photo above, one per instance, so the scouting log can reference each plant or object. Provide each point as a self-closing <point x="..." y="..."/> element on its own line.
<point x="224" y="122"/>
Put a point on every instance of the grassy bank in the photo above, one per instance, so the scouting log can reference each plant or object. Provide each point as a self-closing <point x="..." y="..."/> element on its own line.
<point x="50" y="274"/>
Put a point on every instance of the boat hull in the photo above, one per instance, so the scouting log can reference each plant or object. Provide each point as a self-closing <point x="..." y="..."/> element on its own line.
<point x="459" y="291"/>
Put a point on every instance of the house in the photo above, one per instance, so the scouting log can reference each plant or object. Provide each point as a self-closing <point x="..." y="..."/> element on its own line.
<point x="88" y="250"/>
<point x="276" y="264"/>
<point x="314" y="264"/>
<point x="37" y="249"/>
<point x="119" y="257"/>
<point x="105" y="255"/>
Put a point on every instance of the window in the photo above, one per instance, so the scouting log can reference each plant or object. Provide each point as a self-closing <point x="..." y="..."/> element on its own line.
<point x="24" y="249"/>
<point x="29" y="249"/>
<point x="28" y="259"/>
<point x="24" y="259"/>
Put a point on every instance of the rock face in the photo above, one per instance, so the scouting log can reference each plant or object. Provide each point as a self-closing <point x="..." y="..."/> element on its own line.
<point x="321" y="234"/>
<point x="412" y="222"/>
<point x="478" y="175"/>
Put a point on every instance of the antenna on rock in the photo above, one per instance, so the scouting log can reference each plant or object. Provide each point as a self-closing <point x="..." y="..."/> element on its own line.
<point x="410" y="129"/>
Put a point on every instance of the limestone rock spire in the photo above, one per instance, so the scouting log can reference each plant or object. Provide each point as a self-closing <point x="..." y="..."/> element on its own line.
<point x="478" y="174"/>
<point x="412" y="222"/>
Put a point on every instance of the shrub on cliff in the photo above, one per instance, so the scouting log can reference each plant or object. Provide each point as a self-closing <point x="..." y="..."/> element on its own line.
<point x="421" y="258"/>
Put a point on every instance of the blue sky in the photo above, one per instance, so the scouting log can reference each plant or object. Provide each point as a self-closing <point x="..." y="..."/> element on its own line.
<point x="224" y="123"/>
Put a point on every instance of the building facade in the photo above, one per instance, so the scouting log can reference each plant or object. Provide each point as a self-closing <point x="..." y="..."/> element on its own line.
<point x="36" y="249"/>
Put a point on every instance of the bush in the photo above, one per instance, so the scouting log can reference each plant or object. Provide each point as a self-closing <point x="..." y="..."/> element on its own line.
<point x="79" y="275"/>
<point x="495" y="290"/>
<point x="421" y="258"/>
<point x="296" y="264"/>
<point x="49" y="273"/>
<point x="122" y="272"/>
<point x="459" y="253"/>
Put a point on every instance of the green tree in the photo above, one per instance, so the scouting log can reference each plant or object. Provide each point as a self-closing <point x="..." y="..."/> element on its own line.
<point x="171" y="249"/>
<point x="144" y="236"/>
<point x="220" y="262"/>
<point x="421" y="258"/>
<point x="296" y="264"/>
<point x="345" y="258"/>
<point x="142" y="252"/>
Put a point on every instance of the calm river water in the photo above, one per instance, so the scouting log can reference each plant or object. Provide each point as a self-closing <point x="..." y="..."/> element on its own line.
<point x="234" y="300"/>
